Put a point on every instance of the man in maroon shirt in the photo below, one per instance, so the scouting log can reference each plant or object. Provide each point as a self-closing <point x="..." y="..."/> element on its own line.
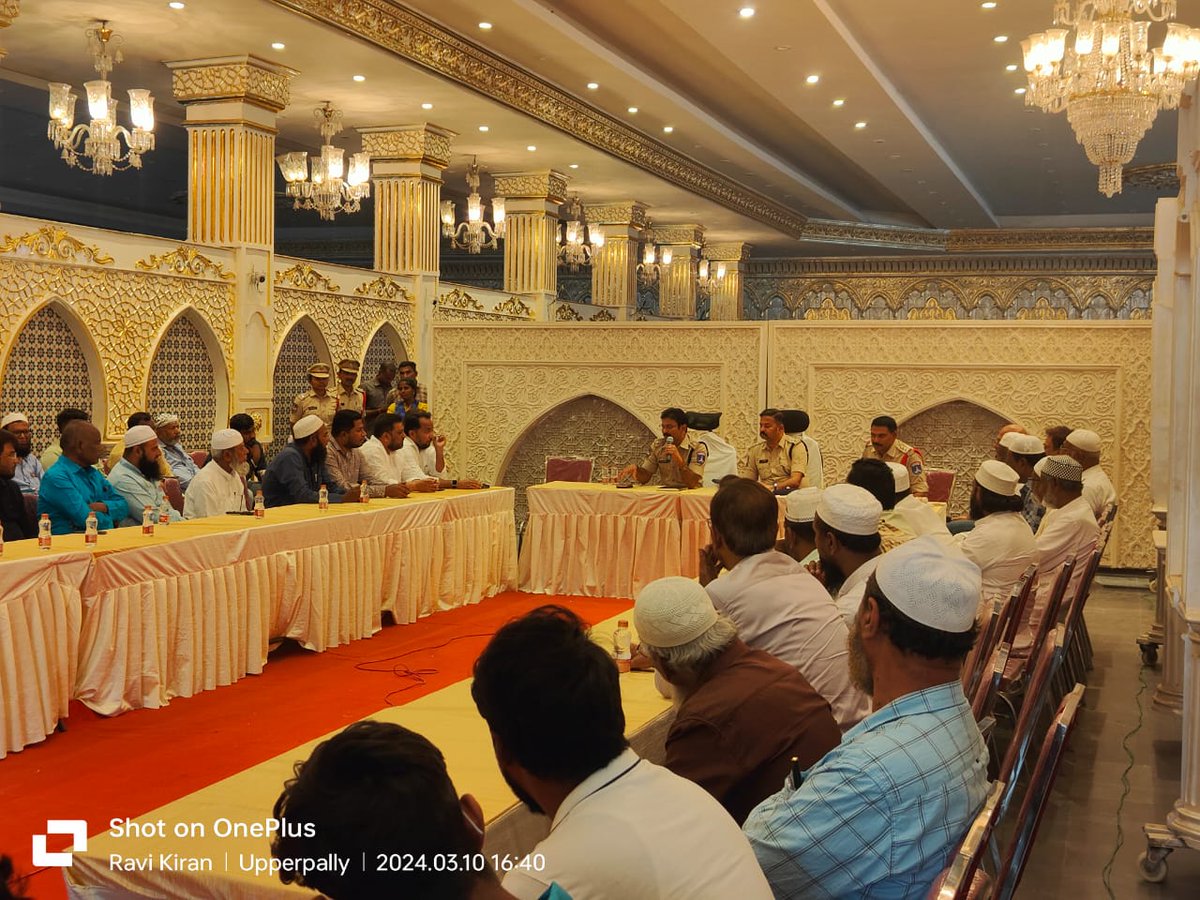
<point x="742" y="715"/>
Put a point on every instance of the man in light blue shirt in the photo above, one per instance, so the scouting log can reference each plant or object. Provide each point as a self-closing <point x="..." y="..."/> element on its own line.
<point x="72" y="487"/>
<point x="166" y="425"/>
<point x="137" y="477"/>
<point x="879" y="815"/>
<point x="28" y="476"/>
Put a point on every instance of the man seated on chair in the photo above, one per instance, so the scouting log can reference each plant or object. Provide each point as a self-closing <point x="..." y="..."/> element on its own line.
<point x="846" y="525"/>
<point x="742" y="714"/>
<point x="1083" y="446"/>
<point x="886" y="445"/>
<point x="874" y="476"/>
<point x="778" y="461"/>
<point x="297" y="472"/>
<point x="29" y="471"/>
<point x="137" y="478"/>
<point x="916" y="514"/>
<point x="1001" y="543"/>
<point x="347" y="465"/>
<point x="881" y="813"/>
<point x="117" y="452"/>
<point x="219" y="488"/>
<point x="423" y="458"/>
<point x="1022" y="453"/>
<point x="15" y="521"/>
<point x="378" y="789"/>
<point x="381" y="452"/>
<point x="182" y="464"/>
<point x="255" y="461"/>
<point x="676" y="458"/>
<point x="54" y="450"/>
<point x="799" y="542"/>
<point x="775" y="603"/>
<point x="73" y="486"/>
<point x="1000" y="447"/>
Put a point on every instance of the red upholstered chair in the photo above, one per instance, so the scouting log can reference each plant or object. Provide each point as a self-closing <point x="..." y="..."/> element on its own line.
<point x="964" y="879"/>
<point x="569" y="468"/>
<point x="199" y="457"/>
<point x="174" y="494"/>
<point x="941" y="484"/>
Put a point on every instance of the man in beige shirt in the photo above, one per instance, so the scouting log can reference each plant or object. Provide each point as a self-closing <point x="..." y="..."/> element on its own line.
<point x="316" y="401"/>
<point x="885" y="445"/>
<point x="677" y="458"/>
<point x="777" y="462"/>
<point x="349" y="396"/>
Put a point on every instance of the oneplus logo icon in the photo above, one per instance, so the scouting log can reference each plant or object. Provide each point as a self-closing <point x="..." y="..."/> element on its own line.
<point x="76" y="828"/>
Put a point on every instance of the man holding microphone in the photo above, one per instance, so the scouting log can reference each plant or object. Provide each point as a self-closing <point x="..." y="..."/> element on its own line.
<point x="676" y="458"/>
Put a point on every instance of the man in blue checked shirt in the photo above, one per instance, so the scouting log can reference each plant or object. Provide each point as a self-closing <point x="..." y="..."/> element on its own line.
<point x="879" y="815"/>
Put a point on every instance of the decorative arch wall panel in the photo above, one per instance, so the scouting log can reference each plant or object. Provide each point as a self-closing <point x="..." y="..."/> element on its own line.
<point x="182" y="377"/>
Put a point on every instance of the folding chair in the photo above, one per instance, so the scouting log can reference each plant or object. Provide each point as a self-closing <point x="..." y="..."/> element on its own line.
<point x="941" y="484"/>
<point x="1075" y="664"/>
<point x="1033" y="805"/>
<point x="994" y="629"/>
<point x="569" y="468"/>
<point x="983" y="701"/>
<point x="964" y="879"/>
<point x="1018" y="667"/>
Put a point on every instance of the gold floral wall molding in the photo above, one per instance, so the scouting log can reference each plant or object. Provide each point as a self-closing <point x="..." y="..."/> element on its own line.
<point x="306" y="278"/>
<point x="827" y="310"/>
<point x="514" y="306"/>
<point x="54" y="243"/>
<point x="425" y="43"/>
<point x="565" y="312"/>
<point x="1042" y="310"/>
<point x="185" y="260"/>
<point x="385" y="288"/>
<point x="459" y="299"/>
<point x="603" y="316"/>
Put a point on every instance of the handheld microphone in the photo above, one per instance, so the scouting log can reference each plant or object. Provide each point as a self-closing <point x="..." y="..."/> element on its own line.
<point x="666" y="457"/>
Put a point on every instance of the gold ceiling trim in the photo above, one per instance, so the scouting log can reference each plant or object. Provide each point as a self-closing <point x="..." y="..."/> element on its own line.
<point x="421" y="41"/>
<point x="828" y="231"/>
<point x="52" y="242"/>
<point x="1040" y="240"/>
<point x="185" y="260"/>
<point x="306" y="278"/>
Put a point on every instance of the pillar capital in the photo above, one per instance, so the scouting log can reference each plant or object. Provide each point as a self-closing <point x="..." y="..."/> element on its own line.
<point x="619" y="212"/>
<point x="531" y="201"/>
<point x="232" y="88"/>
<point x="548" y="185"/>
<point x="423" y="142"/>
<point x="678" y="236"/>
<point x="9" y="10"/>
<point x="733" y="251"/>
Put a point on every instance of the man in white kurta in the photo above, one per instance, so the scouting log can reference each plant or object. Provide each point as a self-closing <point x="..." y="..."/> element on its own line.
<point x="1083" y="446"/>
<point x="381" y="453"/>
<point x="1001" y="543"/>
<point x="218" y="488"/>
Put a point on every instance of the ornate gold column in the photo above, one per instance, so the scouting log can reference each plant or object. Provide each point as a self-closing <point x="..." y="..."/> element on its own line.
<point x="9" y="10"/>
<point x="727" y="289"/>
<point x="531" y="201"/>
<point x="614" y="266"/>
<point x="677" y="283"/>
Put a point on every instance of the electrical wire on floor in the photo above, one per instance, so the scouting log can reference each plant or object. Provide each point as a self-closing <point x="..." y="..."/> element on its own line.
<point x="1106" y="872"/>
<point x="414" y="677"/>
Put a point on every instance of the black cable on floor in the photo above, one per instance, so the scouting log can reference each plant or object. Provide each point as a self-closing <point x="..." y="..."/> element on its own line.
<point x="1106" y="872"/>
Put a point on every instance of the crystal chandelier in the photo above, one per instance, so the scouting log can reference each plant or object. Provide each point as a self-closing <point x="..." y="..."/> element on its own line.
<point x="578" y="241"/>
<point x="1105" y="77"/>
<point x="708" y="275"/>
<point x="96" y="147"/>
<point x="475" y="234"/>
<point x="328" y="192"/>
<point x="654" y="261"/>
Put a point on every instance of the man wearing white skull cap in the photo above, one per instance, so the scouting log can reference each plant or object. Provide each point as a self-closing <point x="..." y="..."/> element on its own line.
<point x="182" y="465"/>
<point x="846" y="526"/>
<point x="1001" y="543"/>
<point x="1083" y="446"/>
<point x="1023" y="453"/>
<point x="218" y="488"/>
<point x="880" y="814"/>
<point x="296" y="474"/>
<point x="137" y="476"/>
<point x="28" y="476"/>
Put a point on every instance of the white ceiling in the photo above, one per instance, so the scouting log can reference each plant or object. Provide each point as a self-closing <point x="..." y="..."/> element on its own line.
<point x="947" y="143"/>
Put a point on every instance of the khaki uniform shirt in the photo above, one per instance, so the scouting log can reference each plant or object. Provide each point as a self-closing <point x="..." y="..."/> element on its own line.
<point x="309" y="404"/>
<point x="353" y="399"/>
<point x="767" y="466"/>
<point x="694" y="453"/>
<point x="907" y="455"/>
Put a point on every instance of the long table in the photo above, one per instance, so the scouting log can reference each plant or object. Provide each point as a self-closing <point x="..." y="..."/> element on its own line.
<point x="194" y="606"/>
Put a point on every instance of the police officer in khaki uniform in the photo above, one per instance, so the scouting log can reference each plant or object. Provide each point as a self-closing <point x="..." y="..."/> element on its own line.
<point x="678" y="462"/>
<point x="885" y="445"/>
<point x="349" y="396"/>
<point x="316" y="401"/>
<point x="777" y="461"/>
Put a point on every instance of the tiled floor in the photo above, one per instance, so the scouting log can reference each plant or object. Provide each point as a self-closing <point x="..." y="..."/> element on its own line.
<point x="1079" y="832"/>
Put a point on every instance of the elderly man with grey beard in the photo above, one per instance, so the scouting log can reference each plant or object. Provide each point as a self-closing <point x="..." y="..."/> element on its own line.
<point x="219" y="488"/>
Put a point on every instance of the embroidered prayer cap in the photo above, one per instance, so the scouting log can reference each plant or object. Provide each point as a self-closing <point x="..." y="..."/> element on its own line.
<point x="931" y="586"/>
<point x="1087" y="441"/>
<point x="13" y="417"/>
<point x="669" y="612"/>
<point x="1025" y="444"/>
<point x="226" y="439"/>
<point x="1063" y="468"/>
<point x="849" y="509"/>
<point x="1010" y="440"/>
<point x="139" y="434"/>
<point x="899" y="476"/>
<point x="801" y="505"/>
<point x="306" y="427"/>
<point x="164" y="419"/>
<point x="999" y="478"/>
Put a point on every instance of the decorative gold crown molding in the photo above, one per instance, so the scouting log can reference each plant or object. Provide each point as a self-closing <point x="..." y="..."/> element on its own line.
<point x="52" y="242"/>
<point x="566" y="313"/>
<point x="248" y="78"/>
<point x="424" y="142"/>
<point x="185" y="260"/>
<point x="547" y="184"/>
<point x="828" y="231"/>
<point x="1161" y="177"/>
<point x="1041" y="240"/>
<point x="735" y="251"/>
<point x="1042" y="310"/>
<point x="306" y="278"/>
<point x="621" y="212"/>
<point x="932" y="310"/>
<point x="460" y="299"/>
<point x="427" y="44"/>
<point x="950" y="265"/>
<point x="678" y="234"/>
<point x="384" y="288"/>
<point x="514" y="306"/>
<point x="828" y="310"/>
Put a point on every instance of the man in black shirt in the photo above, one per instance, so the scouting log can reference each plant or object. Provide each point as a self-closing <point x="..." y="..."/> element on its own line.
<point x="14" y="515"/>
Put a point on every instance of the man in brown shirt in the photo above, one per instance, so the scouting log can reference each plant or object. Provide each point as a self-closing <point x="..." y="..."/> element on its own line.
<point x="742" y="715"/>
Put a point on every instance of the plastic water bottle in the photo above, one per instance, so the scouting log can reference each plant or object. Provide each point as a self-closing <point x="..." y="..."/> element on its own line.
<point x="44" y="535"/>
<point x="363" y="495"/>
<point x="260" y="507"/>
<point x="164" y="513"/>
<point x="622" y="645"/>
<point x="148" y="519"/>
<point x="91" y="529"/>
<point x="323" y="498"/>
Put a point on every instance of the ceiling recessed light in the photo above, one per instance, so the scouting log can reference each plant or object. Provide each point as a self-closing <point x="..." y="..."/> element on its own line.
<point x="783" y="48"/>
<point x="360" y="77"/>
<point x="426" y="106"/>
<point x="812" y="79"/>
<point x="573" y="166"/>
<point x="593" y="86"/>
<point x="483" y="128"/>
<point x="667" y="129"/>
<point x="1019" y="91"/>
<point x="531" y="148"/>
<point x="278" y="45"/>
<point x="1001" y="38"/>
<point x="1011" y="67"/>
<point x="633" y="109"/>
<point x="176" y="4"/>
<point x="988" y="4"/>
<point x="860" y="124"/>
<point x="746" y="12"/>
<point x="839" y="102"/>
<point x="486" y="26"/>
